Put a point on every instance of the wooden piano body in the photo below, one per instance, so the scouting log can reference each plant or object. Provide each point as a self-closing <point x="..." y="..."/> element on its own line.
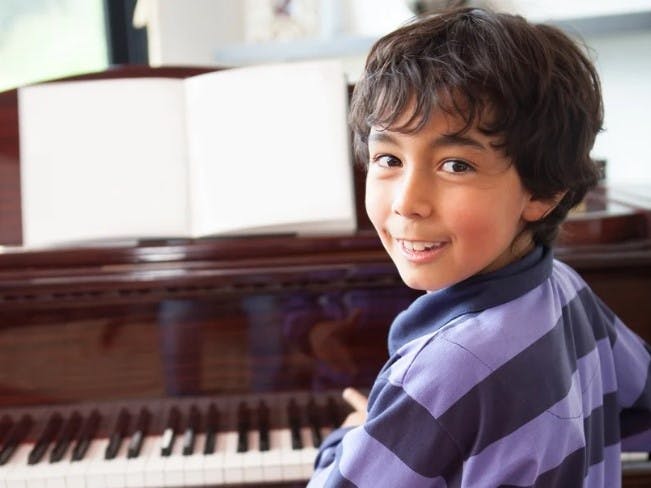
<point x="151" y="323"/>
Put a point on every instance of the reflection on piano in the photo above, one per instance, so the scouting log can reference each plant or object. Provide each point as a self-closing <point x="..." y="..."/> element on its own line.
<point x="142" y="332"/>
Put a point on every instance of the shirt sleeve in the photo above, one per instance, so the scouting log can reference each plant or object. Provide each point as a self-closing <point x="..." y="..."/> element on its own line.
<point x="354" y="457"/>
<point x="632" y="361"/>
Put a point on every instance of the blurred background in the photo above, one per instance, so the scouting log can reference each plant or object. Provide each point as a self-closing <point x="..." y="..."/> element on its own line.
<point x="47" y="39"/>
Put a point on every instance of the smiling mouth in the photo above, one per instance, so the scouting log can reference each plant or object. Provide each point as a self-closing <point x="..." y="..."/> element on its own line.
<point x="419" y="246"/>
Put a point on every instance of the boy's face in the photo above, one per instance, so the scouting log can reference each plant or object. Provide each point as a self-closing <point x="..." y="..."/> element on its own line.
<point x="445" y="207"/>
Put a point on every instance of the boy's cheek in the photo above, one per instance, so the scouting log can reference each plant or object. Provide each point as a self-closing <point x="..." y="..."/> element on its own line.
<point x="376" y="203"/>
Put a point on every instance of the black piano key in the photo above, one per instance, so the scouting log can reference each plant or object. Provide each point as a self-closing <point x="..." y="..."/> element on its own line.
<point x="140" y="431"/>
<point x="15" y="436"/>
<point x="68" y="432"/>
<point x="5" y="426"/>
<point x="169" y="434"/>
<point x="333" y="413"/>
<point x="314" y="421"/>
<point x="86" y="435"/>
<point x="118" y="434"/>
<point x="194" y="425"/>
<point x="294" y="416"/>
<point x="212" y="426"/>
<point x="47" y="436"/>
<point x="243" y="427"/>
<point x="263" y="425"/>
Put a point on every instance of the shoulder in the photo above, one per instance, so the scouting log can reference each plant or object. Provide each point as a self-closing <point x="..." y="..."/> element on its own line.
<point x="436" y="370"/>
<point x="440" y="367"/>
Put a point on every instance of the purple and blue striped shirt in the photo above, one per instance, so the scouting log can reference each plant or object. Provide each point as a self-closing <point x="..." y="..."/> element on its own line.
<point x="519" y="377"/>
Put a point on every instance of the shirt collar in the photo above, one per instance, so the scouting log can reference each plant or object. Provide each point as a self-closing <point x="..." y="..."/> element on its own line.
<point x="475" y="294"/>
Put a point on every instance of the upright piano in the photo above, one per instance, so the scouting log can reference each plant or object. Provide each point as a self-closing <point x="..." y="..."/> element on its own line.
<point x="220" y="361"/>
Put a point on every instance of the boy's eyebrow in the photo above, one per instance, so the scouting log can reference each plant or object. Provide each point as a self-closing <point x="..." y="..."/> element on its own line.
<point x="382" y="136"/>
<point x="443" y="140"/>
<point x="457" y="140"/>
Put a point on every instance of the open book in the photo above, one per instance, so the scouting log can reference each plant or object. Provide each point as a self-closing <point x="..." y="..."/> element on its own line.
<point x="250" y="150"/>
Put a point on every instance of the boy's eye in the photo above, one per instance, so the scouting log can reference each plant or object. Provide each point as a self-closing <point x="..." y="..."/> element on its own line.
<point x="387" y="161"/>
<point x="456" y="166"/>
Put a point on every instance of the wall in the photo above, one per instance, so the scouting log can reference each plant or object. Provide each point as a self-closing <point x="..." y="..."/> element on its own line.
<point x="624" y="64"/>
<point x="186" y="33"/>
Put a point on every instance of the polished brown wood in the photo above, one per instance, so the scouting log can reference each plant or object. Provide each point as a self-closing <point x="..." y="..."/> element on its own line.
<point x="155" y="319"/>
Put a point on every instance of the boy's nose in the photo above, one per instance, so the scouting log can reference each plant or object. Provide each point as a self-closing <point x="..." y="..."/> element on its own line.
<point x="412" y="197"/>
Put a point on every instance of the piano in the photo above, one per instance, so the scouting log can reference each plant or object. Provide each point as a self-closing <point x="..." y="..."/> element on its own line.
<point x="219" y="362"/>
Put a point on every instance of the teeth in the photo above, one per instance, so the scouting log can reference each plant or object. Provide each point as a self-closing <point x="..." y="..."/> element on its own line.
<point x="419" y="245"/>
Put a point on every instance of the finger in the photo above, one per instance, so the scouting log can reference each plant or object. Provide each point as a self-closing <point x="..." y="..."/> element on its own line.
<point x="355" y="399"/>
<point x="354" y="419"/>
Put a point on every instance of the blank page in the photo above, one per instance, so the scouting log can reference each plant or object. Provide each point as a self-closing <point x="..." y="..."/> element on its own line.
<point x="269" y="150"/>
<point x="103" y="159"/>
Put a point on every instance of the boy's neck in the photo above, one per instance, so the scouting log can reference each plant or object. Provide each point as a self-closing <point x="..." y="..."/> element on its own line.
<point x="521" y="246"/>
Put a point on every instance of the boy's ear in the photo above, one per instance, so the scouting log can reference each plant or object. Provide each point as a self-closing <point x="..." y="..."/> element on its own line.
<point x="539" y="208"/>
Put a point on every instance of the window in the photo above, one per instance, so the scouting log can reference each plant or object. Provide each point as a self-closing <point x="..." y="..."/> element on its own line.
<point x="46" y="39"/>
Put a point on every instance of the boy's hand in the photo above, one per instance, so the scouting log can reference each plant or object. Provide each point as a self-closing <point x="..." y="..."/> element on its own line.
<point x="359" y="403"/>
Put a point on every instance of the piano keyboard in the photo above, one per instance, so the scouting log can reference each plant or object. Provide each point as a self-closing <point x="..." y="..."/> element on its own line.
<point x="253" y="439"/>
<point x="188" y="442"/>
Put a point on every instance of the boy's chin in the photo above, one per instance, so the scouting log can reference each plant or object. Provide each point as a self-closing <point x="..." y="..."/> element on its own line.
<point x="422" y="283"/>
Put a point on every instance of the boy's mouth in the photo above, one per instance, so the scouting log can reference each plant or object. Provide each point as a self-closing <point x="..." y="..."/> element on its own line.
<point x="419" y="246"/>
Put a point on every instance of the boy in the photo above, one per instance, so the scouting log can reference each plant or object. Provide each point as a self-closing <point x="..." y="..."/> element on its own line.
<point x="477" y="129"/>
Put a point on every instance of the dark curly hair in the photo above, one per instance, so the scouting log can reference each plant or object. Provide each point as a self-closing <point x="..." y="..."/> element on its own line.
<point x="539" y="87"/>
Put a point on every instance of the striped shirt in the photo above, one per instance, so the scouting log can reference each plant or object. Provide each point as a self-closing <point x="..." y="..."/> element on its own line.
<point x="519" y="377"/>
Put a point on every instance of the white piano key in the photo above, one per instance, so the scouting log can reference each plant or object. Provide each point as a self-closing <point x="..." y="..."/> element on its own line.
<point x="57" y="471"/>
<point x="631" y="457"/>
<point x="292" y="461"/>
<point x="173" y="465"/>
<point x="272" y="469"/>
<point x="115" y="469"/>
<point x="233" y="468"/>
<point x="75" y="476"/>
<point x="193" y="465"/>
<point x="16" y="467"/>
<point x="137" y="467"/>
<point x="36" y="474"/>
<point x="251" y="459"/>
<point x="154" y="467"/>
<point x="29" y="477"/>
<point x="213" y="464"/>
<point x="95" y="462"/>
<point x="75" y="472"/>
<point x="35" y="477"/>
